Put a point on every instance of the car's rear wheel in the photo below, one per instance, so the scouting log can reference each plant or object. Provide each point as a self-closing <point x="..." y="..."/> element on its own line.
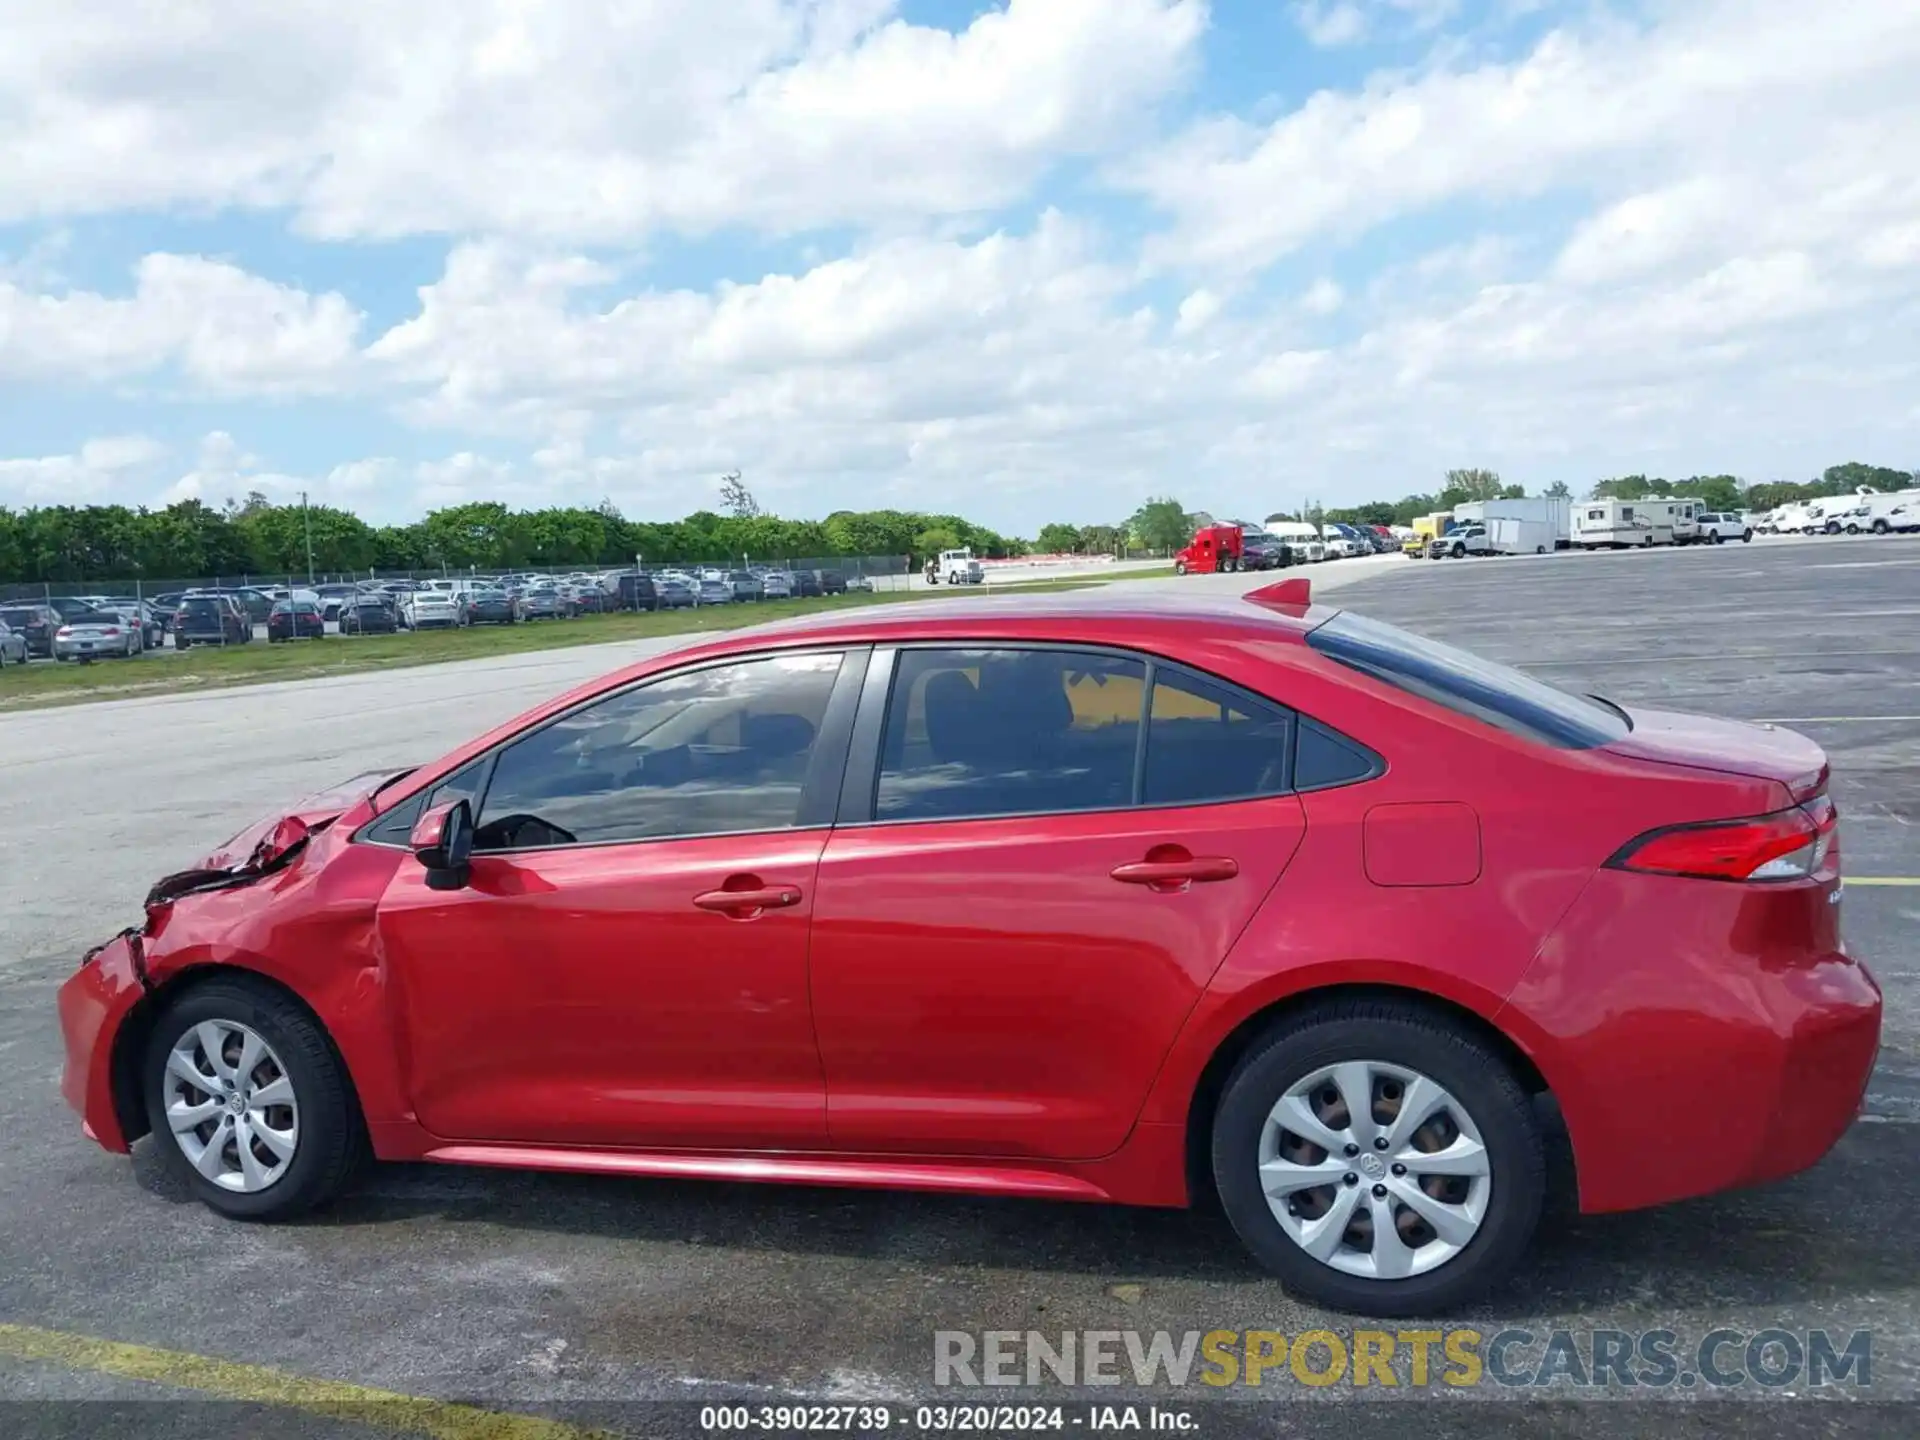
<point x="248" y="1103"/>
<point x="1379" y="1159"/>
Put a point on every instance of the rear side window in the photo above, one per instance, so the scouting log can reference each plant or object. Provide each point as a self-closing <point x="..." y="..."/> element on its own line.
<point x="1206" y="742"/>
<point x="1494" y="694"/>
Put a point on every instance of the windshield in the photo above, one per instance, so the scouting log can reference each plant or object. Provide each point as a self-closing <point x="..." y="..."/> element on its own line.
<point x="1464" y="683"/>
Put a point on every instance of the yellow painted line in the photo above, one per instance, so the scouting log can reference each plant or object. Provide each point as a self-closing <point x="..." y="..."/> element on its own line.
<point x="1852" y="880"/>
<point x="257" y="1384"/>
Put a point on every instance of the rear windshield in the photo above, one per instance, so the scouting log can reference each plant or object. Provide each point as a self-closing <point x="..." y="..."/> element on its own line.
<point x="1495" y="694"/>
<point x="95" y="617"/>
<point x="20" y="617"/>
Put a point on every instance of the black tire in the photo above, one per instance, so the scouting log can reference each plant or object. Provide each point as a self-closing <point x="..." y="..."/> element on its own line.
<point x="1746" y="538"/>
<point x="1880" y="527"/>
<point x="1399" y="1033"/>
<point x="332" y="1145"/>
<point x="1179" y="567"/>
<point x="1459" y="552"/>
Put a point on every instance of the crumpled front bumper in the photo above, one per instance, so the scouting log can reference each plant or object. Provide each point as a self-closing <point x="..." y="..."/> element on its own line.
<point x="94" y="1003"/>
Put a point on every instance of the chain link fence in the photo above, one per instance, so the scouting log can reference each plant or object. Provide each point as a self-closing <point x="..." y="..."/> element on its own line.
<point x="880" y="572"/>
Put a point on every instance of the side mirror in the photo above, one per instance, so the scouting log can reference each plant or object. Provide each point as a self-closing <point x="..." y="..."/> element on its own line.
<point x="442" y="840"/>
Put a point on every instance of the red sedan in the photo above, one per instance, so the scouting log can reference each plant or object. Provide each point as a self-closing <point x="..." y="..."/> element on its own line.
<point x="1055" y="898"/>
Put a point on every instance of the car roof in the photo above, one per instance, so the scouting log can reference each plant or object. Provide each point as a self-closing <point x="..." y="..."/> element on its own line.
<point x="1085" y="616"/>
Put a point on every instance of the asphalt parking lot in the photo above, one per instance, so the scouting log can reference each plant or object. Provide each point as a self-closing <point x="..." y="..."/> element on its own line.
<point x="591" y="1300"/>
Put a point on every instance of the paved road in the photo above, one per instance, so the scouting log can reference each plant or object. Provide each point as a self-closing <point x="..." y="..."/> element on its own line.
<point x="539" y="1291"/>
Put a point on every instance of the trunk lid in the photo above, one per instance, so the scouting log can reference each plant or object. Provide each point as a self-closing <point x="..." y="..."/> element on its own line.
<point x="1732" y="747"/>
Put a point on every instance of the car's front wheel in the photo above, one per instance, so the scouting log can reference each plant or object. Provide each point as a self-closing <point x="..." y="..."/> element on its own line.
<point x="248" y="1102"/>
<point x="1379" y="1159"/>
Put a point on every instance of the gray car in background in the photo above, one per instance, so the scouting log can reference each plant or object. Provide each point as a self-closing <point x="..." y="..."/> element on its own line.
<point x="96" y="634"/>
<point x="13" y="645"/>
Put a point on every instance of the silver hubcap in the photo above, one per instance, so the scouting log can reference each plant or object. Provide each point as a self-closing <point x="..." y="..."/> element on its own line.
<point x="1375" y="1170"/>
<point x="231" y="1106"/>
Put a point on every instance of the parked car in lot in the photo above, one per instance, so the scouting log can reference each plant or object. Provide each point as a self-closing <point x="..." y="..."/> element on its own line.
<point x="334" y="598"/>
<point x="1719" y="526"/>
<point x="296" y="620"/>
<point x="1122" y="849"/>
<point x="675" y="593"/>
<point x="634" y="591"/>
<point x="255" y="603"/>
<point x="369" y="615"/>
<point x="430" y="610"/>
<point x="860" y="584"/>
<point x="714" y="590"/>
<point x="832" y="582"/>
<point x="745" y="585"/>
<point x="543" y="602"/>
<point x="492" y="607"/>
<point x="95" y="635"/>
<point x="13" y="645"/>
<point x="210" y="620"/>
<point x="806" y="585"/>
<point x="776" y="585"/>
<point x="35" y="624"/>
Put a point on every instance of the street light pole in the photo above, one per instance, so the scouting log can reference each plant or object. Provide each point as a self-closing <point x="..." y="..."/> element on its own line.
<point x="307" y="516"/>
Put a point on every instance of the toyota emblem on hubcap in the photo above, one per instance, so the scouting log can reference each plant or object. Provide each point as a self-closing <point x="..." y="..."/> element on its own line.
<point x="1373" y="1165"/>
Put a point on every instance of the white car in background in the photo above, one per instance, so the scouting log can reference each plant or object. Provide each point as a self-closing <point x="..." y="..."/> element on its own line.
<point x="430" y="609"/>
<point x="1721" y="525"/>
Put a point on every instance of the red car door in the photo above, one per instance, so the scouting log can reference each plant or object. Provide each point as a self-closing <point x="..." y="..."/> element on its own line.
<point x="627" y="965"/>
<point x="998" y="983"/>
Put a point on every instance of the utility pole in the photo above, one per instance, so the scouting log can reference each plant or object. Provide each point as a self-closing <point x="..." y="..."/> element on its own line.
<point x="307" y="516"/>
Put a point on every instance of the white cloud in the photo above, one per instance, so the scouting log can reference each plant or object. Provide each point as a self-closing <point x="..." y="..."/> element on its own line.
<point x="1716" y="87"/>
<point x="220" y="326"/>
<point x="1323" y="297"/>
<point x="1728" y="275"/>
<point x="1337" y="24"/>
<point x="98" y="472"/>
<point x="1329" y="23"/>
<point x="572" y="120"/>
<point x="1196" y="310"/>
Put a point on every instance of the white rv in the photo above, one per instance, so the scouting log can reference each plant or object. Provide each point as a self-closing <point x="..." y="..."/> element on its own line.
<point x="1615" y="523"/>
<point x="1678" y="515"/>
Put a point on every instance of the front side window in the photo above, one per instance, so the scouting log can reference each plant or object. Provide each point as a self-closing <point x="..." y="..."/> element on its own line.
<point x="717" y="751"/>
<point x="979" y="732"/>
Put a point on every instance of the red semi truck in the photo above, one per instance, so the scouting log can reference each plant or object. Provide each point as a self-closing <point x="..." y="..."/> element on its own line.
<point x="1213" y="548"/>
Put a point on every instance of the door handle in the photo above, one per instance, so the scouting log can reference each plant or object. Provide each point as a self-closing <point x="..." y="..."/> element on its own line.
<point x="745" y="904"/>
<point x="1176" y="874"/>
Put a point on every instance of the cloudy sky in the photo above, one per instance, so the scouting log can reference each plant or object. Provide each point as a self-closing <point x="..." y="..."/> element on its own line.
<point x="1029" y="261"/>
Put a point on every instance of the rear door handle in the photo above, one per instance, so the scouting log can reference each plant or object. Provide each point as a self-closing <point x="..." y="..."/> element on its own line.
<point x="1176" y="874"/>
<point x="744" y="904"/>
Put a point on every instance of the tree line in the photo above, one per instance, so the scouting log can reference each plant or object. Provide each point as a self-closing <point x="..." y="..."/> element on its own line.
<point x="193" y="540"/>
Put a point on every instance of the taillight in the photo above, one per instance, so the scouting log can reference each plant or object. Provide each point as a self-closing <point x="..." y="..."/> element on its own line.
<point x="1794" y="844"/>
<point x="65" y="632"/>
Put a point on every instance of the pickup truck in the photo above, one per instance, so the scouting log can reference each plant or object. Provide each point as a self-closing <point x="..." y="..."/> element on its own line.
<point x="1716" y="527"/>
<point x="1467" y="540"/>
